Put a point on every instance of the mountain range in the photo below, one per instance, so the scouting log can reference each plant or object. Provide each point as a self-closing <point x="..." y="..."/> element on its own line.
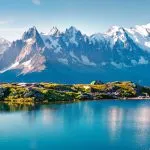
<point x="71" y="56"/>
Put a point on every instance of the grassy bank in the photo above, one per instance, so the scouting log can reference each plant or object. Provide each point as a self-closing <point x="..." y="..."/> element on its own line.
<point x="51" y="92"/>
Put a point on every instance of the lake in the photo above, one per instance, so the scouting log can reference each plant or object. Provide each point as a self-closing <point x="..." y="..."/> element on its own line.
<point x="89" y="125"/>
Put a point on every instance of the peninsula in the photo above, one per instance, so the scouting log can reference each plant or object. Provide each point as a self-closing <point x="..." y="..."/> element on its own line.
<point x="52" y="92"/>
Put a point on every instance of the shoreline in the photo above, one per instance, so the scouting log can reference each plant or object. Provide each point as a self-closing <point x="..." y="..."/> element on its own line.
<point x="69" y="102"/>
<point x="137" y="98"/>
<point x="44" y="93"/>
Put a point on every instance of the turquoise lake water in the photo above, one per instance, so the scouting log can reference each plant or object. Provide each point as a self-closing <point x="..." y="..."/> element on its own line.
<point x="90" y="125"/>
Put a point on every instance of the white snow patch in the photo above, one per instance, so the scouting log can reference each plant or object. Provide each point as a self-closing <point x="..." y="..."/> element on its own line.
<point x="140" y="35"/>
<point x="29" y="40"/>
<point x="54" y="43"/>
<point x="67" y="44"/>
<point x="47" y="45"/>
<point x="35" y="64"/>
<point x="103" y="63"/>
<point x="74" y="56"/>
<point x="143" y="61"/>
<point x="13" y="66"/>
<point x="4" y="44"/>
<point x="118" y="65"/>
<point x="73" y="38"/>
<point x="57" y="50"/>
<point x="134" y="62"/>
<point x="63" y="60"/>
<point x="86" y="61"/>
<point x="116" y="33"/>
<point x="99" y="37"/>
<point x="27" y="63"/>
<point x="147" y="44"/>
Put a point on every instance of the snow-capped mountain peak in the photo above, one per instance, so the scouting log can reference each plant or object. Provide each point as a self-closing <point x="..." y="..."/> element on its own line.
<point x="141" y="36"/>
<point x="32" y="33"/>
<point x="54" y="32"/>
<point x="115" y="31"/>
<point x="147" y="26"/>
<point x="72" y="30"/>
<point x="117" y="48"/>
<point x="73" y="35"/>
<point x="4" y="44"/>
<point x="2" y="40"/>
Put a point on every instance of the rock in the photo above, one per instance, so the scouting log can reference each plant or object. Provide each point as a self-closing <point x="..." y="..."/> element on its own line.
<point x="3" y="92"/>
<point x="37" y="95"/>
<point x="28" y="94"/>
<point x="86" y="96"/>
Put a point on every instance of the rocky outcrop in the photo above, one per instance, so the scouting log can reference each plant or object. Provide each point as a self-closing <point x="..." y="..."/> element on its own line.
<point x="4" y="92"/>
<point x="50" y="92"/>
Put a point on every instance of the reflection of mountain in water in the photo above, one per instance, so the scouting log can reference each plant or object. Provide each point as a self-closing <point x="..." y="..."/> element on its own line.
<point x="113" y="113"/>
<point x="104" y="122"/>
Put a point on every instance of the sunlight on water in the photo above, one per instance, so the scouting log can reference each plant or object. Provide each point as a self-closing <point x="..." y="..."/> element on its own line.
<point x="84" y="125"/>
<point x="115" y="117"/>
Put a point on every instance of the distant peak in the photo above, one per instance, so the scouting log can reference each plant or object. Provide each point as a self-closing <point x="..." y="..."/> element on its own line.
<point x="146" y="26"/>
<point x="31" y="33"/>
<point x="54" y="31"/>
<point x="114" y="29"/>
<point x="73" y="29"/>
<point x="32" y="29"/>
<point x="2" y="40"/>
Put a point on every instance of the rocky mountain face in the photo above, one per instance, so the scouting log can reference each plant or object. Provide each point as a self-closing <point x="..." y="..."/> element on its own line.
<point x="72" y="56"/>
<point x="4" y="44"/>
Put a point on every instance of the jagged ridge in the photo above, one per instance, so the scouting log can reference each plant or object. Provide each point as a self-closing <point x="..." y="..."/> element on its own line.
<point x="118" y="48"/>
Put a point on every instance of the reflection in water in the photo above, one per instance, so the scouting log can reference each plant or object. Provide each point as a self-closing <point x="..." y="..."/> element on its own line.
<point x="142" y="117"/>
<point x="100" y="124"/>
<point x="115" y="118"/>
<point x="88" y="113"/>
<point x="13" y="107"/>
<point x="48" y="116"/>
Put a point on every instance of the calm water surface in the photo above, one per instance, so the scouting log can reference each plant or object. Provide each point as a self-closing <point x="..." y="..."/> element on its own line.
<point x="91" y="125"/>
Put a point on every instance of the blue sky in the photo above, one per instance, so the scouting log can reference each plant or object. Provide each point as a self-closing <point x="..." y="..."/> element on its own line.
<point x="90" y="16"/>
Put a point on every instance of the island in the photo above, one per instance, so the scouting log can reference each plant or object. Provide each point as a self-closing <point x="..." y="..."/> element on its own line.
<point x="53" y="92"/>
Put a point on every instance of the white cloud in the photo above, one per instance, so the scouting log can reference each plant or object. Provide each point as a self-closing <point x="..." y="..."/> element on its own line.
<point x="36" y="2"/>
<point x="3" y="22"/>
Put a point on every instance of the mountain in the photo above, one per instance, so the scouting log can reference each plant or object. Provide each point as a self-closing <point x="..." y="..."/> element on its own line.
<point x="4" y="44"/>
<point x="71" y="56"/>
